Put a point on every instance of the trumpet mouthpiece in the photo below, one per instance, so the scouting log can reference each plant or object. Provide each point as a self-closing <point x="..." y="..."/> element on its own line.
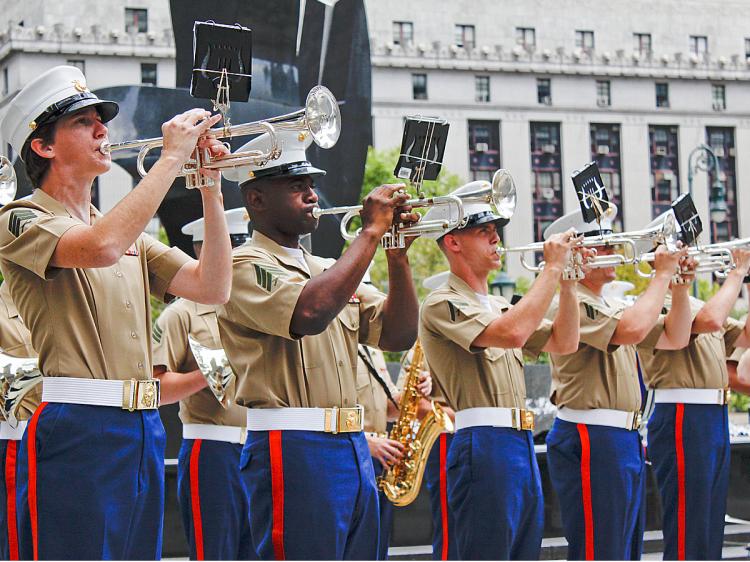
<point x="105" y="148"/>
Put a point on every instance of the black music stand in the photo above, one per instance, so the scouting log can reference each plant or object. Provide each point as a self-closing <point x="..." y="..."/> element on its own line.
<point x="592" y="195"/>
<point x="422" y="150"/>
<point x="687" y="218"/>
<point x="222" y="64"/>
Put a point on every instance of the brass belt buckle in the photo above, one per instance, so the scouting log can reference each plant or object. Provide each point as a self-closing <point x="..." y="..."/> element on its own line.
<point x="243" y="435"/>
<point x="523" y="420"/>
<point x="140" y="395"/>
<point x="637" y="421"/>
<point x="727" y="395"/>
<point x="343" y="420"/>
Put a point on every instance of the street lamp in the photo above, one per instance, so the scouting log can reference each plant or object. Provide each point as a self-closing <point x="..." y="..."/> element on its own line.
<point x="704" y="159"/>
<point x="503" y="285"/>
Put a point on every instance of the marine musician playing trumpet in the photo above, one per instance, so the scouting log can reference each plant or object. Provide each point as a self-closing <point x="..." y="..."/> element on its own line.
<point x="290" y="331"/>
<point x="81" y="282"/>
<point x="473" y="345"/>
<point x="688" y="433"/>
<point x="594" y="452"/>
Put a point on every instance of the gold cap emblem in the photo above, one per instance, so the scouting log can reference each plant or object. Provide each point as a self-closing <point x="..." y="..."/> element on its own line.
<point x="245" y="216"/>
<point x="301" y="137"/>
<point x="80" y="86"/>
<point x="32" y="125"/>
<point x="251" y="174"/>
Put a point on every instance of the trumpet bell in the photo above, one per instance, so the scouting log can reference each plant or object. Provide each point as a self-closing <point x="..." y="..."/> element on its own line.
<point x="8" y="182"/>
<point x="323" y="117"/>
<point x="214" y="366"/>
<point x="503" y="193"/>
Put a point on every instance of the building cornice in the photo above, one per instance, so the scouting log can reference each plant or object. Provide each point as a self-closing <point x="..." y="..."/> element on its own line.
<point x="678" y="66"/>
<point x="86" y="42"/>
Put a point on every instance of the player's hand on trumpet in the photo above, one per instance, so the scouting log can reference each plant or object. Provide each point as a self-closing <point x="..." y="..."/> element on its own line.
<point x="666" y="262"/>
<point x="182" y="132"/>
<point x="686" y="272"/>
<point x="558" y="247"/>
<point x="741" y="260"/>
<point x="383" y="206"/>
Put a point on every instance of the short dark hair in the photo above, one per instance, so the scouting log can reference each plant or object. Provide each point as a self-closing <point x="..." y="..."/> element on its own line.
<point x="38" y="166"/>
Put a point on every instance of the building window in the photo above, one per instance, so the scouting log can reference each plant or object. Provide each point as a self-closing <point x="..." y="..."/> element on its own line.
<point x="482" y="88"/>
<point x="526" y="37"/>
<point x="698" y="45"/>
<point x="148" y="73"/>
<point x="463" y="36"/>
<point x="544" y="91"/>
<point x="419" y="86"/>
<point x="403" y="33"/>
<point x="665" y="171"/>
<point x="484" y="149"/>
<point x="642" y="44"/>
<point x="603" y="93"/>
<point x="721" y="141"/>
<point x="80" y="64"/>
<point x="585" y="40"/>
<point x="6" y="82"/>
<point x="719" y="97"/>
<point x="605" y="151"/>
<point x="546" y="175"/>
<point x="662" y="94"/>
<point x="747" y="49"/>
<point x="136" y="20"/>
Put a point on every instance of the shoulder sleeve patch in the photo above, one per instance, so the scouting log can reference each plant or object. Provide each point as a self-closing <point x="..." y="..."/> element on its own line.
<point x="157" y="333"/>
<point x="267" y="276"/>
<point x="19" y="220"/>
<point x="591" y="312"/>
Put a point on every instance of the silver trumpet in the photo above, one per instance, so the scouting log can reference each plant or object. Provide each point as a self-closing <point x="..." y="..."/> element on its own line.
<point x="18" y="377"/>
<point x="576" y="263"/>
<point x="214" y="365"/>
<point x="500" y="193"/>
<point x="320" y="117"/>
<point x="713" y="258"/>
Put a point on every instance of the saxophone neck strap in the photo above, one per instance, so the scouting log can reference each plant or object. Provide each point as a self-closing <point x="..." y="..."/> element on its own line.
<point x="367" y="360"/>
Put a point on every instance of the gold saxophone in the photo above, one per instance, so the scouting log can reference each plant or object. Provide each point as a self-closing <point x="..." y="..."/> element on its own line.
<point x="400" y="482"/>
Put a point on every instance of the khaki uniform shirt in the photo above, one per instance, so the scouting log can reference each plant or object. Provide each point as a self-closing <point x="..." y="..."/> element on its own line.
<point x="598" y="375"/>
<point x="370" y="393"/>
<point x="702" y="364"/>
<point x="88" y="323"/>
<point x="278" y="369"/>
<point x="179" y="320"/>
<point x="15" y="340"/>
<point x="451" y="318"/>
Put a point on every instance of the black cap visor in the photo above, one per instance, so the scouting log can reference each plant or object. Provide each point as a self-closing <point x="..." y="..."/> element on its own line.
<point x="303" y="168"/>
<point x="107" y="109"/>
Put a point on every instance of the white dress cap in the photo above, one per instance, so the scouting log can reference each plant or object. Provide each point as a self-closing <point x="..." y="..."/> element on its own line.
<point x="237" y="221"/>
<point x="475" y="213"/>
<point x="292" y="162"/>
<point x="435" y="281"/>
<point x="575" y="220"/>
<point x="45" y="99"/>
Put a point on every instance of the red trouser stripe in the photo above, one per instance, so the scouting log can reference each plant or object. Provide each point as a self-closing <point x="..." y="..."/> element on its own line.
<point x="680" y="451"/>
<point x="444" y="494"/>
<point x="588" y="511"/>
<point x="10" y="496"/>
<point x="195" y="498"/>
<point x="277" y="490"/>
<point x="31" y="445"/>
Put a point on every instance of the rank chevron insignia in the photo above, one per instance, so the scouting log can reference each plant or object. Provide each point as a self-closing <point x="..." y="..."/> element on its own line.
<point x="156" y="336"/>
<point x="19" y="219"/>
<point x="454" y="307"/>
<point x="267" y="276"/>
<point x="591" y="312"/>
